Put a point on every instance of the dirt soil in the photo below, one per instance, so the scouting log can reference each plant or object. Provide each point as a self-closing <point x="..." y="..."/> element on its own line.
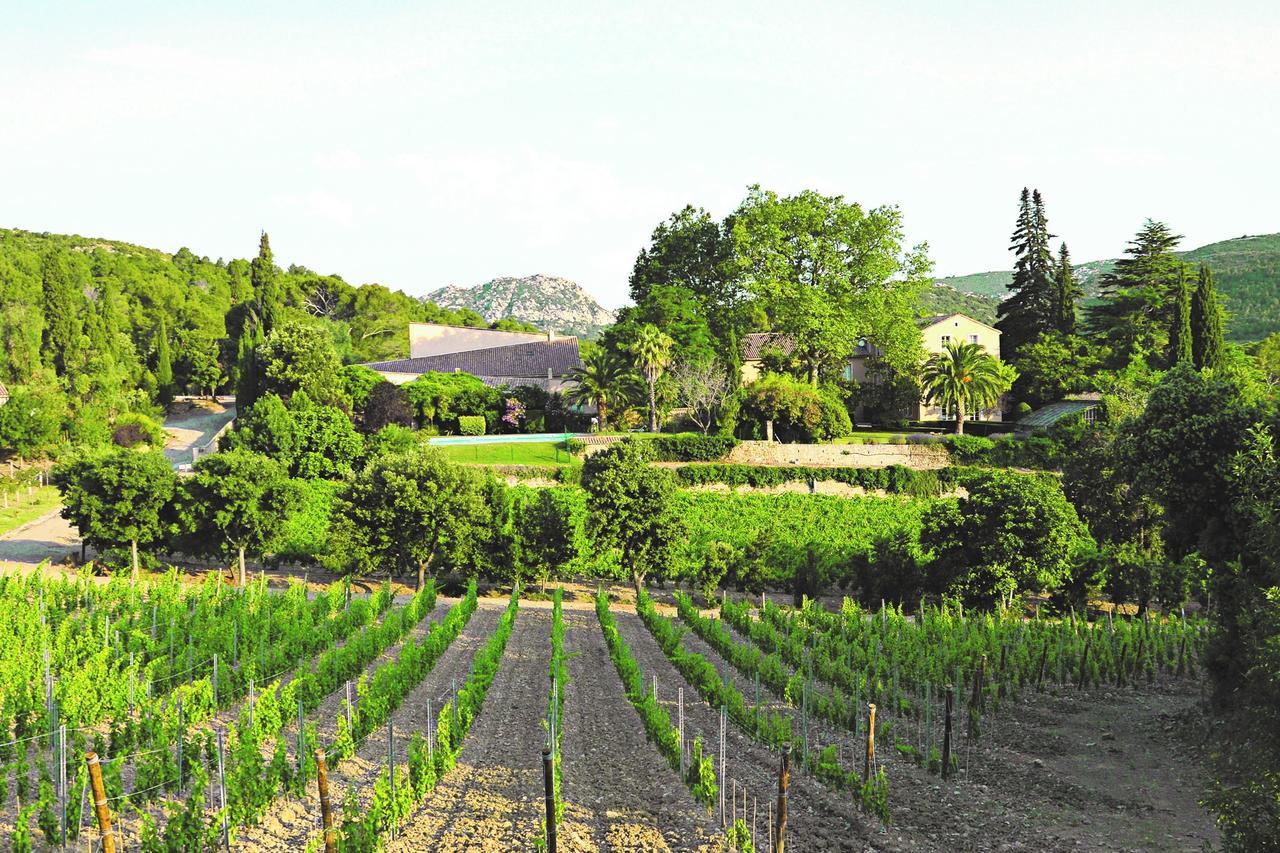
<point x="619" y="791"/>
<point x="290" y="823"/>
<point x="492" y="799"/>
<point x="819" y="818"/>
<point x="1068" y="769"/>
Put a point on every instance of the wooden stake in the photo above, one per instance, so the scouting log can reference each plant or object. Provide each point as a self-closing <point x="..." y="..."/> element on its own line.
<point x="784" y="779"/>
<point x="946" y="735"/>
<point x="550" y="795"/>
<point x="871" y="743"/>
<point x="326" y="812"/>
<point x="100" y="802"/>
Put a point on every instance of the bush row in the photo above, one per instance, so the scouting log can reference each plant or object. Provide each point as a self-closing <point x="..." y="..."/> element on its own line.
<point x="894" y="479"/>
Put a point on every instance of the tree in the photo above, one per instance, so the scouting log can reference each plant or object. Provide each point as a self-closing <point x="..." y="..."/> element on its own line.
<point x="117" y="496"/>
<point x="630" y="507"/>
<point x="328" y="444"/>
<point x="31" y="422"/>
<point x="799" y="411"/>
<point x="266" y="286"/>
<point x="1177" y="451"/>
<point x="248" y="368"/>
<point x="652" y="352"/>
<point x="702" y="387"/>
<point x="1206" y="323"/>
<point x="164" y="364"/>
<point x="829" y="274"/>
<point x="675" y="310"/>
<point x="550" y="526"/>
<point x="1052" y="366"/>
<point x="1267" y="353"/>
<point x="603" y="380"/>
<point x="63" y="313"/>
<point x="1034" y="306"/>
<point x="408" y="512"/>
<point x="235" y="503"/>
<point x="1068" y="290"/>
<point x="1014" y="533"/>
<point x="387" y="404"/>
<point x="1180" y="338"/>
<point x="297" y="357"/>
<point x="965" y="378"/>
<point x="1138" y="301"/>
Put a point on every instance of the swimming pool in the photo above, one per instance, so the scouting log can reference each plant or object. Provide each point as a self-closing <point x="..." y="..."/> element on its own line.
<point x="536" y="437"/>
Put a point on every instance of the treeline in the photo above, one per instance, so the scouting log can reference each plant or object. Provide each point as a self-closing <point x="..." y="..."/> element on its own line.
<point x="94" y="330"/>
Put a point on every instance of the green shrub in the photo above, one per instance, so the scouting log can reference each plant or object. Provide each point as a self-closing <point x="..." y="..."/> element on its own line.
<point x="971" y="448"/>
<point x="799" y="411"/>
<point x="304" y="536"/>
<point x="471" y="424"/>
<point x="894" y="479"/>
<point x="693" y="447"/>
<point x="573" y="446"/>
<point x="131" y="429"/>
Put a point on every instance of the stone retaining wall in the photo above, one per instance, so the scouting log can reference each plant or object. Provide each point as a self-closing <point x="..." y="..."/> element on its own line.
<point x="921" y="456"/>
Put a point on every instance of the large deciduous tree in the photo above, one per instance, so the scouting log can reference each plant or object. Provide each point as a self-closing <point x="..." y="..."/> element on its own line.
<point x="965" y="378"/>
<point x="630" y="508"/>
<point x="701" y="386"/>
<point x="408" y="513"/>
<point x="117" y="497"/>
<point x="235" y="504"/>
<point x="829" y="273"/>
<point x="299" y="357"/>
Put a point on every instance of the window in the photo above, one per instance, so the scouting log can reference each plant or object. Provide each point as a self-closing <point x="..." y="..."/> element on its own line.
<point x="946" y="339"/>
<point x="973" y="339"/>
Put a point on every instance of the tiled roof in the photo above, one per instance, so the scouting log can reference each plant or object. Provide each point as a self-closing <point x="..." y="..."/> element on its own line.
<point x="528" y="360"/>
<point x="757" y="342"/>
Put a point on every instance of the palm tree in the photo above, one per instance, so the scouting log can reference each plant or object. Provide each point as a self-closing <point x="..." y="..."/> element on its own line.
<point x="603" y="379"/>
<point x="965" y="377"/>
<point x="652" y="351"/>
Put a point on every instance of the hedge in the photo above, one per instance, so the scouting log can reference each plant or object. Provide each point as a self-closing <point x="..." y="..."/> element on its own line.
<point x="895" y="479"/>
<point x="692" y="447"/>
<point x="471" y="424"/>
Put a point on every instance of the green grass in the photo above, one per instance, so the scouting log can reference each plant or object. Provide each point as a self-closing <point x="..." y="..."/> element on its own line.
<point x="23" y="509"/>
<point x="872" y="437"/>
<point x="515" y="453"/>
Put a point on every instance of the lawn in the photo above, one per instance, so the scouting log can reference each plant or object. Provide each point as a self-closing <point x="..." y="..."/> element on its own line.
<point x="22" y="509"/>
<point x="515" y="453"/>
<point x="872" y="437"/>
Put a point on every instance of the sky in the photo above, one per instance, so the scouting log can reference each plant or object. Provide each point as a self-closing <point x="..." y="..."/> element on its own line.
<point x="425" y="144"/>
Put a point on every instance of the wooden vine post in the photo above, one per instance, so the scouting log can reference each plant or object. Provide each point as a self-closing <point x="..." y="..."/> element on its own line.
<point x="100" y="802"/>
<point x="871" y="743"/>
<point x="549" y="787"/>
<point x="946" y="735"/>
<point x="784" y="779"/>
<point x="326" y="811"/>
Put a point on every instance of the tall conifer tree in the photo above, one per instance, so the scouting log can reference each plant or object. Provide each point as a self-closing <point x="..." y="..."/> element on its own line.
<point x="1031" y="309"/>
<point x="1139" y="296"/>
<point x="63" y="324"/>
<point x="1180" y="338"/>
<point x="1067" y="290"/>
<point x="248" y="380"/>
<point x="266" y="286"/>
<point x="164" y="364"/>
<point x="1206" y="323"/>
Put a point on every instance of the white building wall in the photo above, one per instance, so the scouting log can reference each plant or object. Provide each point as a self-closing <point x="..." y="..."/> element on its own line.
<point x="431" y="339"/>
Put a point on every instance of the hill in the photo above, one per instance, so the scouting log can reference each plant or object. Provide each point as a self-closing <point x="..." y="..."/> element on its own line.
<point x="1246" y="270"/>
<point x="546" y="301"/>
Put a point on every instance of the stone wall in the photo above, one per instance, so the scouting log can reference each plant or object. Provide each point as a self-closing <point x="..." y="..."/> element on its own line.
<point x="921" y="456"/>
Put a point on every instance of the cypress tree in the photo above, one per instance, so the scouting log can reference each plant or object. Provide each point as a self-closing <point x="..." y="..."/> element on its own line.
<point x="1032" y="307"/>
<point x="248" y="381"/>
<point x="1067" y="290"/>
<point x="1180" y="337"/>
<point x="164" y="364"/>
<point x="266" y="286"/>
<point x="63" y="325"/>
<point x="1206" y="323"/>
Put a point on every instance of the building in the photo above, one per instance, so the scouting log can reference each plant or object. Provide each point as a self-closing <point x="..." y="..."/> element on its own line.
<point x="496" y="358"/>
<point x="935" y="332"/>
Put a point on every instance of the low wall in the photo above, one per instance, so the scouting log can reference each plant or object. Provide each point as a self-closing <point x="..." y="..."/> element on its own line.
<point x="921" y="456"/>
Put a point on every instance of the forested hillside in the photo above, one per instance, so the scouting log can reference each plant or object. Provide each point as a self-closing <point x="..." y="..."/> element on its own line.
<point x="103" y="304"/>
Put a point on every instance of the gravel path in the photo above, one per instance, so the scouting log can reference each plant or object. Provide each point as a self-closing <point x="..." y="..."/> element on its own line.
<point x="493" y="799"/>
<point x="50" y="537"/>
<point x="818" y="818"/>
<point x="619" y="791"/>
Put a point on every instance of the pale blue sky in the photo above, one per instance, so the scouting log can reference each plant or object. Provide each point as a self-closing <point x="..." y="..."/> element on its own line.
<point x="428" y="144"/>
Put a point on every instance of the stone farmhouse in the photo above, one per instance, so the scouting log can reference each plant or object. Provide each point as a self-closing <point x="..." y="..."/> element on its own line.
<point x="936" y="332"/>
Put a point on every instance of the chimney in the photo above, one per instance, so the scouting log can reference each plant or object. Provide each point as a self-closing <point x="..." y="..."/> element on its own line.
<point x="551" y="335"/>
